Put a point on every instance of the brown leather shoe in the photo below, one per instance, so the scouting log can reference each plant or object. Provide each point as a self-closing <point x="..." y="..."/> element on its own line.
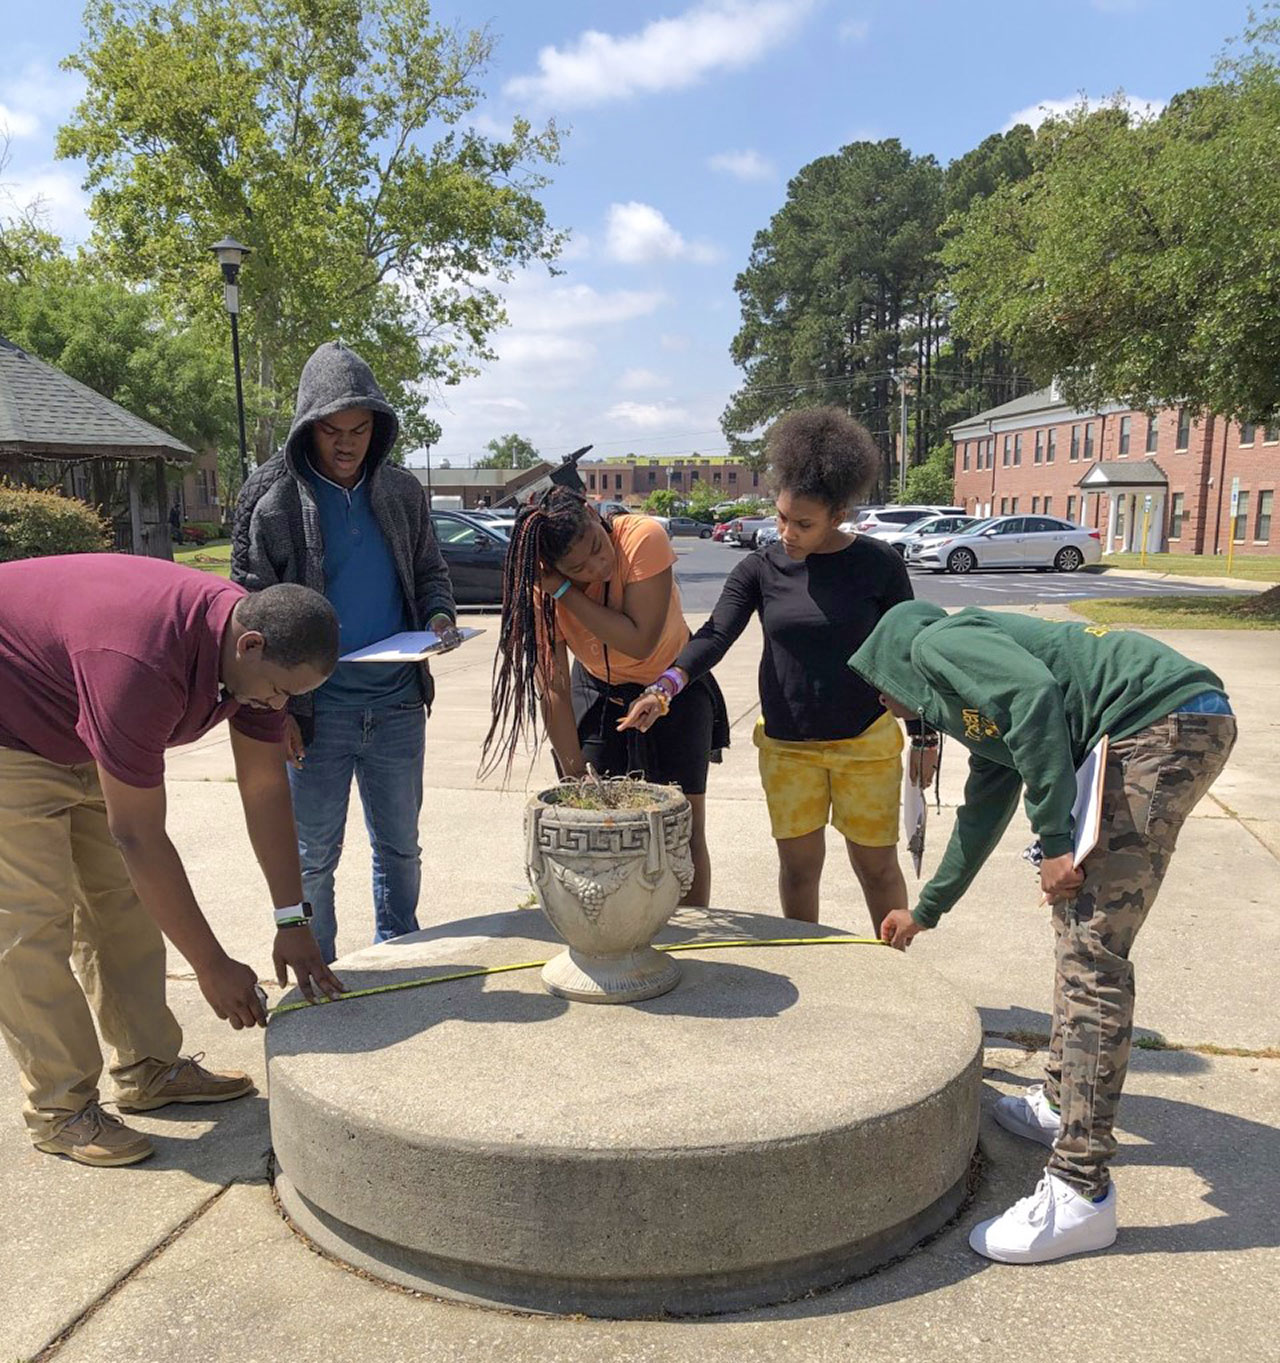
<point x="96" y="1137"/>
<point x="187" y="1081"/>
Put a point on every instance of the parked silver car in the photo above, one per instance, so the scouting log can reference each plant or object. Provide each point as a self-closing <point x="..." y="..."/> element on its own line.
<point x="911" y="534"/>
<point x="1013" y="542"/>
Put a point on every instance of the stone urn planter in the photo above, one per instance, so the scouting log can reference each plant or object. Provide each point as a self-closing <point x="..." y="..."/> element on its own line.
<point x="608" y="877"/>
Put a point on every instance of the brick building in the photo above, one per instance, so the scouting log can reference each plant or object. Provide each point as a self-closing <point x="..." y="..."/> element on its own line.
<point x="633" y="478"/>
<point x="1098" y="468"/>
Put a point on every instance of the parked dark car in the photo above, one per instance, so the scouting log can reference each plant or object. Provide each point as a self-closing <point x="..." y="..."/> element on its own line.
<point x="686" y="525"/>
<point x="474" y="552"/>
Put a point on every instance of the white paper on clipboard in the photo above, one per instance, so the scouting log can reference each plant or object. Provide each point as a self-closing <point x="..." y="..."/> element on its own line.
<point x="410" y="647"/>
<point x="1086" y="813"/>
<point x="915" y="819"/>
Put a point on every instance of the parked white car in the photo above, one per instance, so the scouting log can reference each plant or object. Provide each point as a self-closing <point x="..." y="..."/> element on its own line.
<point x="888" y="519"/>
<point x="767" y="535"/>
<point x="1013" y="542"/>
<point x="911" y="534"/>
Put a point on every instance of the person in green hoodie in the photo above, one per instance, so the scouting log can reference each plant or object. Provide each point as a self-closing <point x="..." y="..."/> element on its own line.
<point x="1030" y="699"/>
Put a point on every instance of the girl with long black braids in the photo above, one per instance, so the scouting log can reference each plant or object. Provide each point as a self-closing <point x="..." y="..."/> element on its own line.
<point x="602" y="588"/>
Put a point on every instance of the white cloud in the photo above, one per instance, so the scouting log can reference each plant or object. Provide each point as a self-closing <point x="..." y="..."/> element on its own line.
<point x="542" y="306"/>
<point x="16" y="123"/>
<point x="1035" y="114"/>
<point x="638" y="380"/>
<point x="55" y="193"/>
<point x="742" y="165"/>
<point x="668" y="54"/>
<point x="854" y="30"/>
<point x="646" y="416"/>
<point x="638" y="234"/>
<point x="674" y="340"/>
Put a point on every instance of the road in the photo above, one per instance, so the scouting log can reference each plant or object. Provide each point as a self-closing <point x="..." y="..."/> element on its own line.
<point x="703" y="567"/>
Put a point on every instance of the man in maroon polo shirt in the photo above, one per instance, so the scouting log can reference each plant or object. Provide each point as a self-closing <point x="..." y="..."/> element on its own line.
<point x="105" y="661"/>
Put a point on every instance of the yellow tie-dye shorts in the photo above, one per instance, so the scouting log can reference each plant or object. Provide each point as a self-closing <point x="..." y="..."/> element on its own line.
<point x="856" y="782"/>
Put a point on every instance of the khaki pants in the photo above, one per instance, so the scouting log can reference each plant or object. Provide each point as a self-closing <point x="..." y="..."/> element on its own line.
<point x="65" y="895"/>
<point x="1154" y="780"/>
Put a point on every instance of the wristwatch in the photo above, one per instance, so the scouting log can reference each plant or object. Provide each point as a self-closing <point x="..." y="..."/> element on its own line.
<point x="294" y="916"/>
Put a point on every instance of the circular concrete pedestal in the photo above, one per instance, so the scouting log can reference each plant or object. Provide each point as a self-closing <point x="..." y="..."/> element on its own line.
<point x="783" y="1120"/>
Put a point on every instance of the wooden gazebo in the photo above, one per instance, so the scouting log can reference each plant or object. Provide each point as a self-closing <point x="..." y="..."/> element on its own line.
<point x="49" y="418"/>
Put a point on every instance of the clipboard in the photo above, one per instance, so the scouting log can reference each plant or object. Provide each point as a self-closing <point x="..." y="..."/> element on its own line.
<point x="411" y="646"/>
<point x="1086" y="813"/>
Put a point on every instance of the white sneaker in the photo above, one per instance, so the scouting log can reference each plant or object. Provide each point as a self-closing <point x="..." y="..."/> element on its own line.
<point x="1030" y="1116"/>
<point x="1050" y="1224"/>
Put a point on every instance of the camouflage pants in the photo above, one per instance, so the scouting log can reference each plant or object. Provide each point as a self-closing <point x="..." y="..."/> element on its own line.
<point x="1154" y="779"/>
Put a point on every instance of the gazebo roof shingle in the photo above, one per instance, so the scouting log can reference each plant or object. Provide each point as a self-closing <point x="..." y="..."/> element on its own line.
<point x="46" y="414"/>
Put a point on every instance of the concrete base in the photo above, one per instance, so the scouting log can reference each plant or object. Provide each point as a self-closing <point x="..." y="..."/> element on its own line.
<point x="639" y="975"/>
<point x="785" y="1119"/>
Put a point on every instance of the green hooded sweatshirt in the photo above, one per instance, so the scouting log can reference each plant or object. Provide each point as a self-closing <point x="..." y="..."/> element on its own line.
<point x="1029" y="698"/>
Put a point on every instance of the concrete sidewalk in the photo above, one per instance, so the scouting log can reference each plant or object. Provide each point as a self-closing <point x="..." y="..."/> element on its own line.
<point x="185" y="1255"/>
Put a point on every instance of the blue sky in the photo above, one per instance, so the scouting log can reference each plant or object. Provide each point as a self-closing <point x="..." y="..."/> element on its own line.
<point x="684" y="121"/>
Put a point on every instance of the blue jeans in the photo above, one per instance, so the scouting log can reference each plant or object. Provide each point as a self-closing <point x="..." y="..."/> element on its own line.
<point x="384" y="750"/>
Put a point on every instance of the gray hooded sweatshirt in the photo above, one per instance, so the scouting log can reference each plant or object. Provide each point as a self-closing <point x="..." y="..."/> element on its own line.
<point x="277" y="535"/>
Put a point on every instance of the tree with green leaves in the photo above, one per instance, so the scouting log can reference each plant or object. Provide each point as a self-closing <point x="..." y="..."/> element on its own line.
<point x="844" y="298"/>
<point x="1140" y="262"/>
<point x="933" y="482"/>
<point x="509" y="452"/>
<point x="332" y="138"/>
<point x="662" y="501"/>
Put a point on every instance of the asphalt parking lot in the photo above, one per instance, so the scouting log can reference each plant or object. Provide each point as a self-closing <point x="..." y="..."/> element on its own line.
<point x="704" y="565"/>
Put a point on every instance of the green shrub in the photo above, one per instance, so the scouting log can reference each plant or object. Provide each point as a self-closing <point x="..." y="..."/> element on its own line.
<point x="35" y="524"/>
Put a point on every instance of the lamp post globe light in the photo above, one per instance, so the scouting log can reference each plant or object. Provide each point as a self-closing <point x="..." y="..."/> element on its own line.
<point x="230" y="254"/>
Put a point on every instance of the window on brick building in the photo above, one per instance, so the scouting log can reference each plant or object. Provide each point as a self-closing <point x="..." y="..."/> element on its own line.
<point x="1075" y="444"/>
<point x="1017" y="450"/>
<point x="733" y="475"/>
<point x="693" y="476"/>
<point x="1177" y="514"/>
<point x="1039" y="454"/>
<point x="1184" y="429"/>
<point x="1271" y="433"/>
<point x="1088" y="440"/>
<point x="1008" y="446"/>
<point x="591" y="481"/>
<point x="1126" y="426"/>
<point x="1048" y="506"/>
<point x="1035" y="504"/>
<point x="676" y="477"/>
<point x="1248" y="432"/>
<point x="755" y="480"/>
<point x="1051" y="445"/>
<point x="1071" y="507"/>
<point x="715" y="477"/>
<point x="1153" y="433"/>
<point x="991" y="452"/>
<point x="617" y="481"/>
<point x="964" y="456"/>
<point x="1013" y="506"/>
<point x="1004" y="506"/>
<point x="1242" y="519"/>
<point x="1262" y="522"/>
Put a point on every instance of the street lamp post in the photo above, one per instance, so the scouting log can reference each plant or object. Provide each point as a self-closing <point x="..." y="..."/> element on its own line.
<point x="230" y="253"/>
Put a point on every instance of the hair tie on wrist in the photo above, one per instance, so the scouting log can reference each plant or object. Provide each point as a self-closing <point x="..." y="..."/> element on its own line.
<point x="561" y="589"/>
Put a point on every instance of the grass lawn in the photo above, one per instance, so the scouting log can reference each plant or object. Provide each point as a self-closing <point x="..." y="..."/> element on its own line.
<point x="1187" y="612"/>
<point x="214" y="556"/>
<point x="1250" y="567"/>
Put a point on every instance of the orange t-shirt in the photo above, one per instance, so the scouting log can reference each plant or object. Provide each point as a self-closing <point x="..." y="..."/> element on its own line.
<point x="643" y="551"/>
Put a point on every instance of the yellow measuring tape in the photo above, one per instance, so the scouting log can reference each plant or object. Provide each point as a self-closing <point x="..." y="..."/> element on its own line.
<point x="282" y="1008"/>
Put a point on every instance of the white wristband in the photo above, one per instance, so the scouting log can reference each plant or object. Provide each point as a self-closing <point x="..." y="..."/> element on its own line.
<point x="295" y="913"/>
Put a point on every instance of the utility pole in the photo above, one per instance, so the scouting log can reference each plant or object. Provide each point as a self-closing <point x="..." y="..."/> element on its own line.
<point x="902" y="436"/>
<point x="428" y="448"/>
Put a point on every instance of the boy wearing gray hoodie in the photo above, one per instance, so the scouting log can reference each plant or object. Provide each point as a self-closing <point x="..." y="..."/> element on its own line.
<point x="331" y="512"/>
